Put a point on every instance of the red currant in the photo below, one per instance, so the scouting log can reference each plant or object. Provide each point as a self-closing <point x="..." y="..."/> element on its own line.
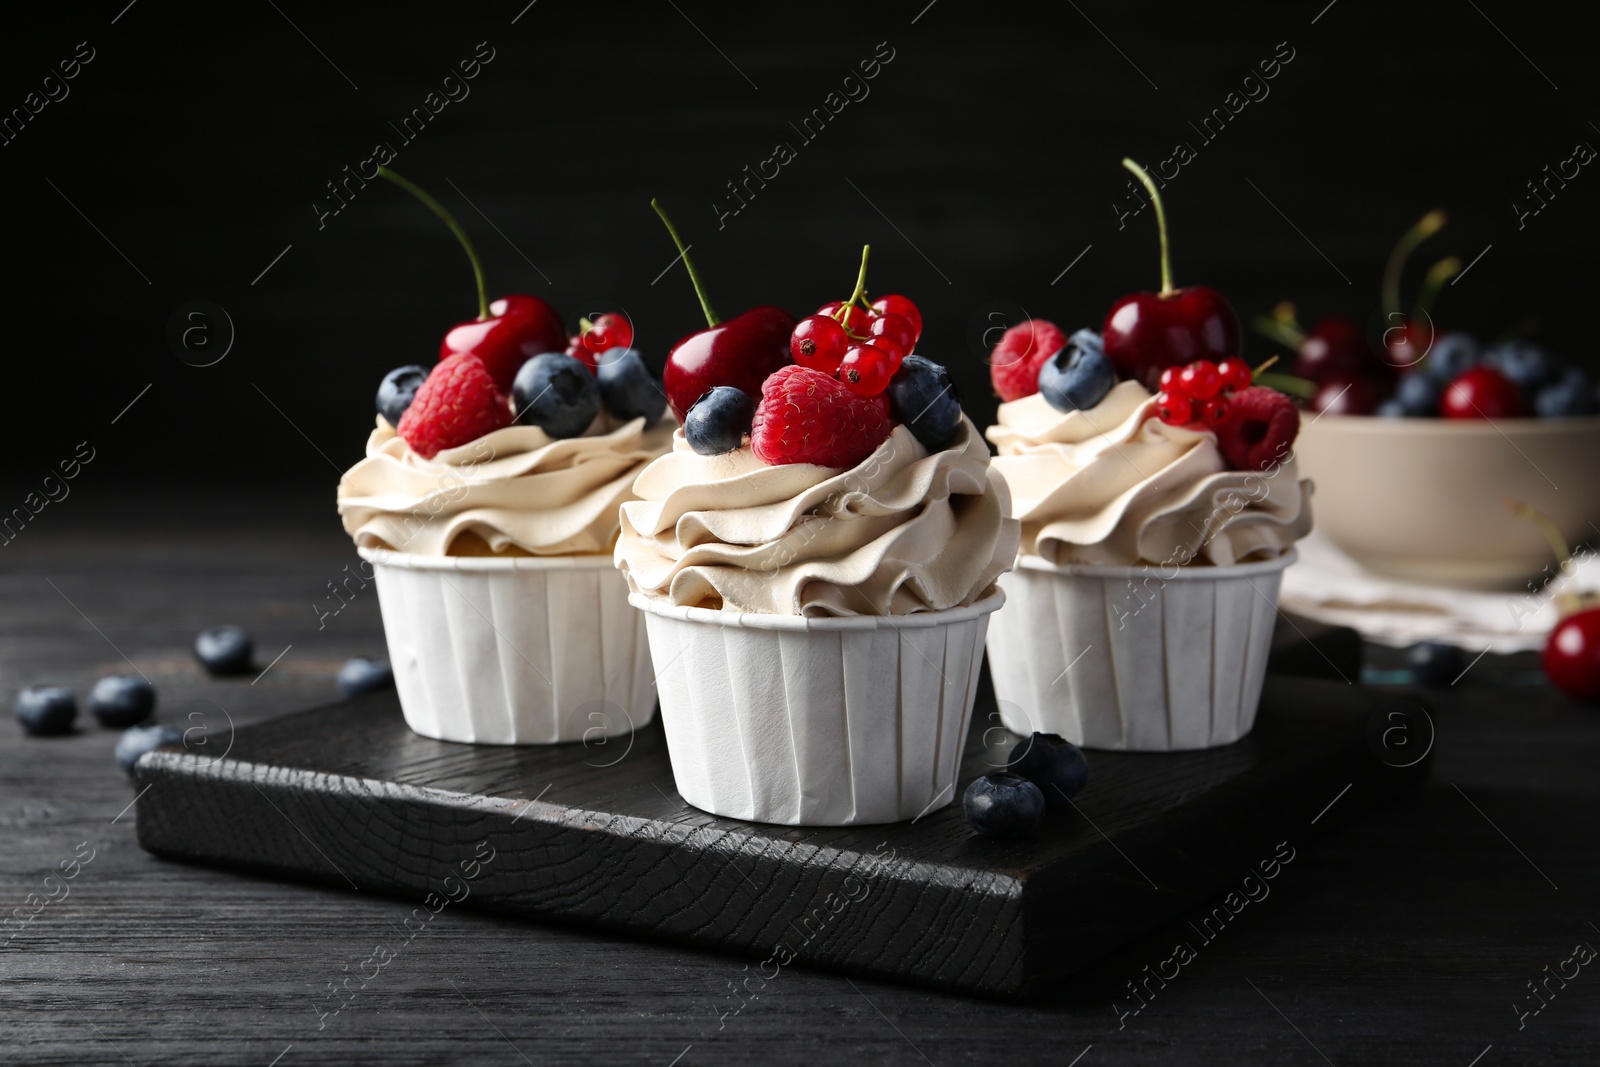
<point x="818" y="342"/>
<point x="893" y="304"/>
<point x="897" y="328"/>
<point x="856" y="320"/>
<point x="866" y="370"/>
<point x="1200" y="380"/>
<point x="1235" y="374"/>
<point x="1169" y="380"/>
<point x="1214" y="412"/>
<point x="1173" y="408"/>
<point x="609" y="331"/>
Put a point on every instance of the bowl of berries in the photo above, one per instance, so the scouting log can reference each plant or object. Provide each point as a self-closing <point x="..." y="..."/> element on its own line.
<point x="1415" y="438"/>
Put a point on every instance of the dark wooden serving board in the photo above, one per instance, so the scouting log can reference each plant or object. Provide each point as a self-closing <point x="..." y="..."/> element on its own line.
<point x="347" y="795"/>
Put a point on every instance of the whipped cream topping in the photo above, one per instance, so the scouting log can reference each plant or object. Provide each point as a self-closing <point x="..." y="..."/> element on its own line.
<point x="903" y="531"/>
<point x="1116" y="485"/>
<point x="515" y="491"/>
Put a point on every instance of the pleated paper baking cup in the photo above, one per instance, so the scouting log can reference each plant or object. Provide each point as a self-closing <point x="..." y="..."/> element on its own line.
<point x="816" y="721"/>
<point x="514" y="651"/>
<point x="1142" y="659"/>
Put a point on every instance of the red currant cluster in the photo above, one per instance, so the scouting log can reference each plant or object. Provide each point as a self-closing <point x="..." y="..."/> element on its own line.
<point x="609" y="330"/>
<point x="859" y="343"/>
<point x="1200" y="391"/>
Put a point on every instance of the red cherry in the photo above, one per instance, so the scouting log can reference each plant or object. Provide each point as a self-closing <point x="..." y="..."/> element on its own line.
<point x="1335" y="346"/>
<point x="740" y="352"/>
<point x="1214" y="412"/>
<point x="856" y="320"/>
<point x="519" y="327"/>
<point x="1481" y="393"/>
<point x="1200" y="380"/>
<point x="897" y="328"/>
<point x="818" y="342"/>
<point x="1173" y="408"/>
<point x="1235" y="374"/>
<point x="1168" y="382"/>
<point x="894" y="304"/>
<point x="1147" y="332"/>
<point x="865" y="370"/>
<point x="609" y="331"/>
<point x="1343" y="395"/>
<point x="1406" y="343"/>
<point x="1571" y="657"/>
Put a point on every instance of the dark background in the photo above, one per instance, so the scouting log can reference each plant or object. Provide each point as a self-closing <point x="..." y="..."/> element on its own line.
<point x="200" y="134"/>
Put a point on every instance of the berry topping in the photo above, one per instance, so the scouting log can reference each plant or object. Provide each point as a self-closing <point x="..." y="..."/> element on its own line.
<point x="557" y="394"/>
<point x="627" y="388"/>
<point x="1200" y="380"/>
<point x="856" y="320"/>
<point x="1234" y="372"/>
<point x="224" y="650"/>
<point x="866" y="370"/>
<point x="359" y="676"/>
<point x="1054" y="764"/>
<point x="1173" y="408"/>
<point x="397" y="390"/>
<point x="923" y="399"/>
<point x="1079" y="376"/>
<point x="458" y="403"/>
<point x="1214" y="412"/>
<point x="46" y="710"/>
<point x="895" y="304"/>
<point x="1261" y="427"/>
<point x="138" y="740"/>
<point x="819" y="342"/>
<point x="895" y="328"/>
<point x="807" y="417"/>
<point x="719" y="421"/>
<point x="122" y="700"/>
<point x="608" y="331"/>
<point x="1481" y="393"/>
<point x="1014" y="364"/>
<point x="1003" y="805"/>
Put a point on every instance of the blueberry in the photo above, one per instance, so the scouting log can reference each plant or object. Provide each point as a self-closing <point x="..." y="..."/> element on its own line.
<point x="224" y="650"/>
<point x="1001" y="804"/>
<point x="1434" y="662"/>
<point x="1525" y="363"/>
<point x="1054" y="764"/>
<point x="397" y="390"/>
<point x="138" y="740"/>
<point x="359" y="676"/>
<point x="1452" y="353"/>
<point x="46" y="710"/>
<point x="1076" y="378"/>
<point x="1571" y="394"/>
<point x="627" y="388"/>
<point x="556" y="393"/>
<point x="719" y="420"/>
<point x="924" y="399"/>
<point x="1391" y="409"/>
<point x="122" y="700"/>
<point x="1418" y="395"/>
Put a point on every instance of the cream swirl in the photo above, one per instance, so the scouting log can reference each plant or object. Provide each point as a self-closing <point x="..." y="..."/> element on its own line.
<point x="1115" y="485"/>
<point x="904" y="531"/>
<point x="515" y="491"/>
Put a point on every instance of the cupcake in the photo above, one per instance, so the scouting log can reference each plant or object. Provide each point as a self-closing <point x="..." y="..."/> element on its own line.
<point x="487" y="507"/>
<point x="816" y="564"/>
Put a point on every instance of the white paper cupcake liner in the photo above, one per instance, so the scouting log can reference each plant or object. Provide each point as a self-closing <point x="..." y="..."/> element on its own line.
<point x="816" y="721"/>
<point x="1146" y="659"/>
<point x="514" y="651"/>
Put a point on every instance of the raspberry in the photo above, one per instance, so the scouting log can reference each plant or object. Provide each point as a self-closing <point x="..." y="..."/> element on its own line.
<point x="458" y="403"/>
<point x="1261" y="426"/>
<point x="806" y="416"/>
<point x="1014" y="364"/>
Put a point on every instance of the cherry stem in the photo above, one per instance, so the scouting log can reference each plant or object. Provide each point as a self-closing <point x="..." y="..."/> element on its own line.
<point x="1426" y="227"/>
<point x="694" y="276"/>
<point x="1161" y="222"/>
<point x="1433" y="284"/>
<point x="1571" y="601"/>
<point x="1268" y="363"/>
<point x="455" y="227"/>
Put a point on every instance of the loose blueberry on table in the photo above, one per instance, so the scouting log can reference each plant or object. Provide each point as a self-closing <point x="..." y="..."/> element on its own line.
<point x="1435" y="662"/>
<point x="138" y="740"/>
<point x="358" y="676"/>
<point x="46" y="710"/>
<point x="122" y="700"/>
<point x="1003" y="805"/>
<point x="224" y="650"/>
<point x="1054" y="764"/>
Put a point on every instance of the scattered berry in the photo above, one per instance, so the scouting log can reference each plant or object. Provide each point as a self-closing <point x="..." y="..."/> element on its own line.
<point x="819" y="342"/>
<point x="1003" y="805"/>
<point x="807" y="417"/>
<point x="224" y="650"/>
<point x="122" y="700"/>
<point x="557" y="394"/>
<point x="1528" y="365"/>
<point x="1418" y="395"/>
<point x="1569" y="396"/>
<point x="359" y="676"/>
<point x="138" y="740"/>
<point x="1571" y="657"/>
<point x="1452" y="354"/>
<point x="458" y="403"/>
<point x="397" y="390"/>
<point x="719" y="420"/>
<point x="1481" y="393"/>
<point x="894" y="304"/>
<point x="1260" y="430"/>
<point x="923" y="399"/>
<point x="1435" y="662"/>
<point x="627" y="388"/>
<point x="1079" y="376"/>
<point x="1054" y="764"/>
<point x="1235" y="374"/>
<point x="1173" y="409"/>
<point x="1200" y="380"/>
<point x="866" y="370"/>
<point x="46" y="710"/>
<point x="1014" y="364"/>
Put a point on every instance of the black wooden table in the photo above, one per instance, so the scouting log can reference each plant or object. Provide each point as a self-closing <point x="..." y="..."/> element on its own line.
<point x="1411" y="937"/>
